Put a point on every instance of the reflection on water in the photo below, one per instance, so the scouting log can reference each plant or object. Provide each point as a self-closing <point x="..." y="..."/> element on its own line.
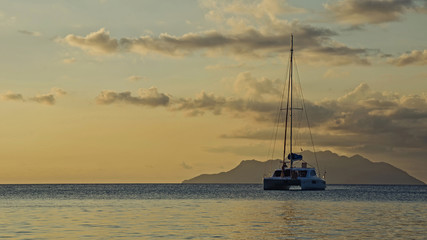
<point x="224" y="212"/>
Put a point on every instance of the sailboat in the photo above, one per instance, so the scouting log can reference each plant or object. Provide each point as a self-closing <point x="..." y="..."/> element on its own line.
<point x="303" y="176"/>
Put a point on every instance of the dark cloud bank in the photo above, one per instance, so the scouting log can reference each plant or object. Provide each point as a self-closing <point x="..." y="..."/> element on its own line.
<point x="247" y="43"/>
<point x="362" y="120"/>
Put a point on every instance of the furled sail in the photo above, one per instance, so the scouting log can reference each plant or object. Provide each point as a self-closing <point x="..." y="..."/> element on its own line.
<point x="294" y="156"/>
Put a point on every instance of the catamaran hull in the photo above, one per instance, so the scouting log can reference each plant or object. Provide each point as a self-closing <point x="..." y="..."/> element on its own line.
<point x="279" y="183"/>
<point x="313" y="184"/>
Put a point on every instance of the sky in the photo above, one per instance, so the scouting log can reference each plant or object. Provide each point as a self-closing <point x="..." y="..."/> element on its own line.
<point x="149" y="91"/>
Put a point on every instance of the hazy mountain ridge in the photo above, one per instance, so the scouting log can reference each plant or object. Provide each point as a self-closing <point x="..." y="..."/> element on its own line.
<point x="339" y="170"/>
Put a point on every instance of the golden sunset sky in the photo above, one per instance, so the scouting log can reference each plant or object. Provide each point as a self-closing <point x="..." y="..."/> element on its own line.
<point x="150" y="91"/>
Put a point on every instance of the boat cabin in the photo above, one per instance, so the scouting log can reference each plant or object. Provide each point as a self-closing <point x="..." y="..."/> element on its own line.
<point x="296" y="172"/>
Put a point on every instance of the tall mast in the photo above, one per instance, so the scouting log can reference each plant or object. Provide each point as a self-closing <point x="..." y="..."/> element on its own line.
<point x="291" y="86"/>
<point x="287" y="107"/>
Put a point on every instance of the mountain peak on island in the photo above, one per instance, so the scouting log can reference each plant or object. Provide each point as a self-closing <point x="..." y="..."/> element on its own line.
<point x="339" y="170"/>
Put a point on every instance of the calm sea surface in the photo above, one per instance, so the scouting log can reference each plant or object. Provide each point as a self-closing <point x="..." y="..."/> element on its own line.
<point x="209" y="211"/>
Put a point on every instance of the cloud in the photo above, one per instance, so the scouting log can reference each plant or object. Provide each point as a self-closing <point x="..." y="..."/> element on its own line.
<point x="416" y="57"/>
<point x="314" y="44"/>
<point x="217" y="105"/>
<point x="11" y="96"/>
<point x="359" y="12"/>
<point x="359" y="112"/>
<point x="186" y="166"/>
<point x="257" y="98"/>
<point x="359" y="93"/>
<point x="58" y="91"/>
<point x="380" y="119"/>
<point x="237" y="14"/>
<point x="258" y="35"/>
<point x="335" y="74"/>
<point x="147" y="97"/>
<point x="252" y="99"/>
<point x="6" y="20"/>
<point x="385" y="126"/>
<point x="259" y="9"/>
<point x="135" y="78"/>
<point x="69" y="60"/>
<point x="96" y="43"/>
<point x="362" y="120"/>
<point x="201" y="103"/>
<point x="338" y="54"/>
<point x="256" y="88"/>
<point x="249" y="43"/>
<point x="30" y="33"/>
<point x="49" y="98"/>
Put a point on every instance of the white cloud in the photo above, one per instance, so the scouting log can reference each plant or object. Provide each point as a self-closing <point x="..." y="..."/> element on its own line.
<point x="251" y="87"/>
<point x="416" y="57"/>
<point x="98" y="42"/>
<point x="147" y="97"/>
<point x="358" y="12"/>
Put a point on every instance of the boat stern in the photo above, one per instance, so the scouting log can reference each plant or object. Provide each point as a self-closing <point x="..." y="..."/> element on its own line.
<point x="313" y="184"/>
<point x="278" y="183"/>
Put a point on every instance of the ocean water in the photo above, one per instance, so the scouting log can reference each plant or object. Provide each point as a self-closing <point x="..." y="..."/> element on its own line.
<point x="211" y="211"/>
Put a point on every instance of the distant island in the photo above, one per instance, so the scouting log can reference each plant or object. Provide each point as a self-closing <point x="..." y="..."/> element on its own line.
<point x="339" y="170"/>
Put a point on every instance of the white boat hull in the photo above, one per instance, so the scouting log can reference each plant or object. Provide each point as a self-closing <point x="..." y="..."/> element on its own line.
<point x="274" y="183"/>
<point x="313" y="184"/>
<point x="283" y="183"/>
